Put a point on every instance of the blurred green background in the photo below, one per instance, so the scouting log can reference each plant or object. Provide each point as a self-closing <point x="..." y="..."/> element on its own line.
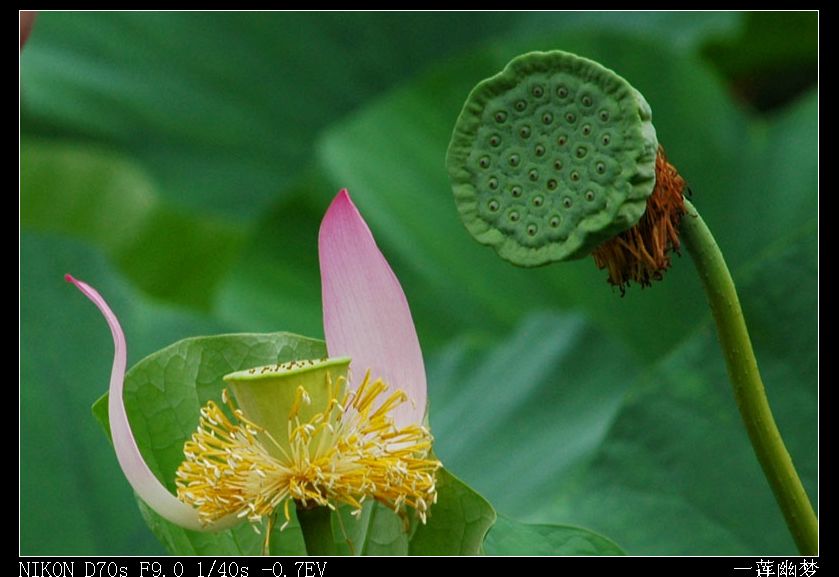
<point x="181" y="163"/>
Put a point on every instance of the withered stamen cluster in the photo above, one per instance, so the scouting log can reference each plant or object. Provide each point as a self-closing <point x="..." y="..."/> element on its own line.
<point x="642" y="253"/>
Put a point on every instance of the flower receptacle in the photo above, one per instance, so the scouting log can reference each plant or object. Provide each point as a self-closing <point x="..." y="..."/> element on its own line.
<point x="269" y="394"/>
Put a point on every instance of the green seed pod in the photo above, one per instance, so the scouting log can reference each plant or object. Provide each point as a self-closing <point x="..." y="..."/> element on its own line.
<point x="551" y="157"/>
<point x="267" y="394"/>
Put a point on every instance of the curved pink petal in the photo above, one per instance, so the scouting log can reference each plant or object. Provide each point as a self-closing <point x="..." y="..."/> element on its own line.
<point x="141" y="478"/>
<point x="365" y="313"/>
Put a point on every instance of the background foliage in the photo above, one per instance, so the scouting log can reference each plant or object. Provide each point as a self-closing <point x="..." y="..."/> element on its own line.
<point x="181" y="163"/>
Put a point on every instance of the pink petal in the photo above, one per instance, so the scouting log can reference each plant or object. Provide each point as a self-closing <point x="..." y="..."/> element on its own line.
<point x="27" y="19"/>
<point x="141" y="478"/>
<point x="365" y="313"/>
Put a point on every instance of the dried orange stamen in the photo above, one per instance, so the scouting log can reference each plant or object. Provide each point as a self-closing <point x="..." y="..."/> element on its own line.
<point x="642" y="253"/>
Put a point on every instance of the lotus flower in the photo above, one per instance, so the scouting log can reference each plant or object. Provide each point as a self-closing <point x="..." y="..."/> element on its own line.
<point x="324" y="435"/>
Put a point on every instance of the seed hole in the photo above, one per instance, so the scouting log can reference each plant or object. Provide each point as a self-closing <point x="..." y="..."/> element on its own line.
<point x="494" y="206"/>
<point x="552" y="184"/>
<point x="547" y="118"/>
<point x="538" y="201"/>
<point x="566" y="202"/>
<point x="554" y="222"/>
<point x="516" y="191"/>
<point x="540" y="150"/>
<point x="500" y="116"/>
<point x="586" y="130"/>
<point x="562" y="140"/>
<point x="605" y="139"/>
<point x="558" y="164"/>
<point x="600" y="168"/>
<point x="524" y="132"/>
<point x="514" y="216"/>
<point x="533" y="175"/>
<point x="532" y="230"/>
<point x="538" y="91"/>
<point x="586" y="100"/>
<point x="571" y="117"/>
<point x="562" y="92"/>
<point x="604" y="115"/>
<point x="514" y="160"/>
<point x="493" y="183"/>
<point x="581" y="151"/>
<point x="589" y="195"/>
<point x="521" y="105"/>
<point x="495" y="140"/>
<point x="575" y="176"/>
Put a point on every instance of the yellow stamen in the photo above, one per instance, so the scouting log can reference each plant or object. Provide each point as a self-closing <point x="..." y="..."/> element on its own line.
<point x="349" y="451"/>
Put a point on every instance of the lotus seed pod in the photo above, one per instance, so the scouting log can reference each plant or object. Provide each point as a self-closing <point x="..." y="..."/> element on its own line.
<point x="267" y="394"/>
<point x="551" y="157"/>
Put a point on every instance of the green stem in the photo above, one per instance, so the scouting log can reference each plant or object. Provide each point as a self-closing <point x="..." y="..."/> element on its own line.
<point x="748" y="386"/>
<point x="317" y="530"/>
